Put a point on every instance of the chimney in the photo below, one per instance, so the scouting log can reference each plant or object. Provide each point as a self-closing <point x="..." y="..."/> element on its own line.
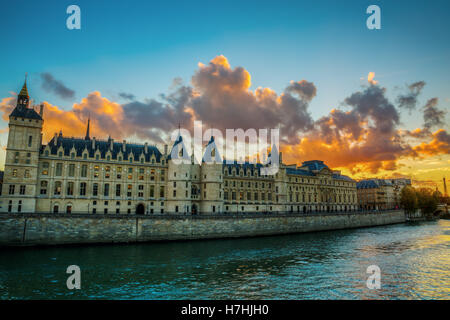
<point x="111" y="144"/>
<point x="124" y="146"/>
<point x="41" y="110"/>
<point x="165" y="149"/>
<point x="93" y="143"/>
<point x="280" y="158"/>
<point x="56" y="138"/>
<point x="146" y="148"/>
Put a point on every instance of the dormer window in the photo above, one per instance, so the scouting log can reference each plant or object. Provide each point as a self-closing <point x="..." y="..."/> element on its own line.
<point x="120" y="158"/>
<point x="60" y="154"/>
<point x="85" y="156"/>
<point x="72" y="155"/>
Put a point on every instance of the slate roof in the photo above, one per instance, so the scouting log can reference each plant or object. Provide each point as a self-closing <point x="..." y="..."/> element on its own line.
<point x="246" y="166"/>
<point x="300" y="172"/>
<point x="367" y="184"/>
<point x="314" y="165"/>
<point x="24" y="112"/>
<point x="80" y="144"/>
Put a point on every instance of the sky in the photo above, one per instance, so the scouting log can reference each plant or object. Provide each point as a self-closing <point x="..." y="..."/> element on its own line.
<point x="138" y="68"/>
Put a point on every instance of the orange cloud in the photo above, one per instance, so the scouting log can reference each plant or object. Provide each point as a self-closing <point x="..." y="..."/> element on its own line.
<point x="439" y="145"/>
<point x="370" y="77"/>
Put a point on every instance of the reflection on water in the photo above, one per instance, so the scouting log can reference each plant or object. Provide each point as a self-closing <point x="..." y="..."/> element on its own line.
<point x="414" y="261"/>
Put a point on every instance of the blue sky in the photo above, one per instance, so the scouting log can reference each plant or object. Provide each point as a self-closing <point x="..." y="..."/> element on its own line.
<point x="140" y="46"/>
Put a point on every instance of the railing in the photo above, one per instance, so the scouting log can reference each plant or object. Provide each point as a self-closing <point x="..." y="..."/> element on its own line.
<point x="189" y="215"/>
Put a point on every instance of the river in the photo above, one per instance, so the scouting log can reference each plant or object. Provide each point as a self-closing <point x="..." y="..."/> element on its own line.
<point x="414" y="260"/>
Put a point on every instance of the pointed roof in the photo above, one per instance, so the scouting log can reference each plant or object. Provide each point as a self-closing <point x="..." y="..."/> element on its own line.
<point x="24" y="91"/>
<point x="87" y="130"/>
<point x="22" y="110"/>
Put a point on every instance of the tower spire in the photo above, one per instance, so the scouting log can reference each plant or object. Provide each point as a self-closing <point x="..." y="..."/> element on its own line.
<point x="23" y="97"/>
<point x="87" y="130"/>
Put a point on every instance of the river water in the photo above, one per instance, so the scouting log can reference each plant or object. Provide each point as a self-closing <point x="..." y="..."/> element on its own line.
<point x="414" y="260"/>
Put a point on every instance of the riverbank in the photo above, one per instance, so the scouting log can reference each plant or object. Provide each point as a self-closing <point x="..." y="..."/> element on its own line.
<point x="48" y="229"/>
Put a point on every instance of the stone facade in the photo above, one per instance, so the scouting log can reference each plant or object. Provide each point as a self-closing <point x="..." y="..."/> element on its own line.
<point x="380" y="194"/>
<point x="86" y="175"/>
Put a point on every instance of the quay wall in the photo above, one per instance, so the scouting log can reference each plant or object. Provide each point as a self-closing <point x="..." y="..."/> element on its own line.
<point x="48" y="229"/>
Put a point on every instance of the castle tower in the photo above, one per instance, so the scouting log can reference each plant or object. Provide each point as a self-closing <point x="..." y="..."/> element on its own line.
<point x="22" y="155"/>
<point x="211" y="178"/>
<point x="179" y="179"/>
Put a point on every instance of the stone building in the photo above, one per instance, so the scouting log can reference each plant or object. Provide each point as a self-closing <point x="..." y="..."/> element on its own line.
<point x="87" y="175"/>
<point x="380" y="194"/>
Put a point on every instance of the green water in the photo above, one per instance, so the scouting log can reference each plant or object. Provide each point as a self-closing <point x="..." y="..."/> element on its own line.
<point x="414" y="260"/>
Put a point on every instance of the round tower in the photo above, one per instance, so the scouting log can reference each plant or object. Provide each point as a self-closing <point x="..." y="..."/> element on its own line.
<point x="211" y="180"/>
<point x="179" y="179"/>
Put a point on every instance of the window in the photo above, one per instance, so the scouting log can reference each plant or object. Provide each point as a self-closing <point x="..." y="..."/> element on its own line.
<point x="44" y="171"/>
<point x="119" y="172"/>
<point x="95" y="189"/>
<point x="107" y="172"/>
<point x="152" y="175"/>
<point x="174" y="193"/>
<point x="106" y="190"/>
<point x="152" y="191"/>
<point x="84" y="170"/>
<point x="97" y="157"/>
<point x="27" y="174"/>
<point x="57" y="190"/>
<point x="46" y="153"/>
<point x="28" y="158"/>
<point x="60" y="154"/>
<point x="70" y="188"/>
<point x="130" y="190"/>
<point x="82" y="188"/>
<point x="14" y="173"/>
<point x="161" y="192"/>
<point x="58" y="169"/>
<point x="12" y="188"/>
<point x="118" y="190"/>
<point x="72" y="155"/>
<point x="96" y="171"/>
<point x="162" y="175"/>
<point x="85" y="156"/>
<point x="71" y="170"/>
<point x="44" y="185"/>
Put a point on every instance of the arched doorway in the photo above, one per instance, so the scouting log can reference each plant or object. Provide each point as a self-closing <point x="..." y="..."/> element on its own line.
<point x="140" y="209"/>
<point x="194" y="209"/>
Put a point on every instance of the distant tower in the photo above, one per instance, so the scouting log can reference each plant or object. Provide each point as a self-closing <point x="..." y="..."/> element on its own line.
<point x="445" y="188"/>
<point x="22" y="155"/>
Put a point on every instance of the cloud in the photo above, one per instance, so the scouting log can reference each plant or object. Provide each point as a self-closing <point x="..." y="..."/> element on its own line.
<point x="432" y="116"/>
<point x="222" y="99"/>
<point x="370" y="77"/>
<point x="50" y="84"/>
<point x="440" y="144"/>
<point x="127" y="96"/>
<point x="409" y="100"/>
